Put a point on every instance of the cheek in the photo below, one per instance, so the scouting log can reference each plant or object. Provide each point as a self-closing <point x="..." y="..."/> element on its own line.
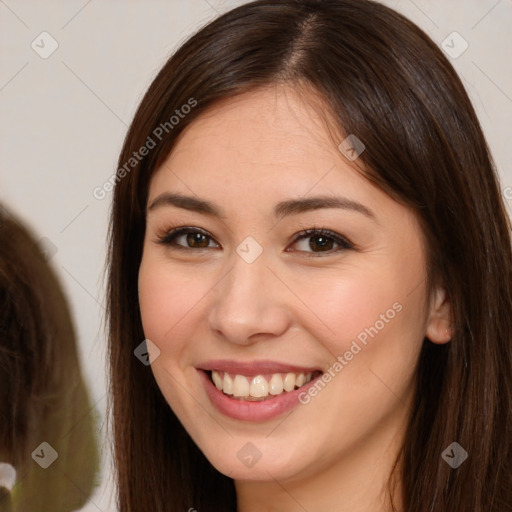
<point x="167" y="299"/>
<point x="369" y="316"/>
<point x="342" y="303"/>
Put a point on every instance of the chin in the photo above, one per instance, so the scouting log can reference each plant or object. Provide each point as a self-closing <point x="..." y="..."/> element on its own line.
<point x="249" y="458"/>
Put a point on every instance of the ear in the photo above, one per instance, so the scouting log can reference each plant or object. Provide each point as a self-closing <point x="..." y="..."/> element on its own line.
<point x="439" y="323"/>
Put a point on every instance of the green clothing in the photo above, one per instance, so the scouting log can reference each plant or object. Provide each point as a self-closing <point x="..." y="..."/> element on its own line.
<point x="69" y="428"/>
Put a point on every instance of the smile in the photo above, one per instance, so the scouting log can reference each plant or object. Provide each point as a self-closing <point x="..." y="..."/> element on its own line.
<point x="259" y="387"/>
<point x="255" y="391"/>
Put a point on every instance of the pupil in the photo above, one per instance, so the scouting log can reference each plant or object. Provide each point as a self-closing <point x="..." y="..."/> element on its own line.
<point x="198" y="238"/>
<point x="323" y="243"/>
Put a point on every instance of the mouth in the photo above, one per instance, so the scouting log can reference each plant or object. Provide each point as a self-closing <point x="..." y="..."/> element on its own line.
<point x="259" y="387"/>
<point x="258" y="390"/>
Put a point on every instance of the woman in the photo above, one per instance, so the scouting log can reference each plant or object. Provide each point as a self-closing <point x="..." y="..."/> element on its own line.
<point x="49" y="457"/>
<point x="310" y="287"/>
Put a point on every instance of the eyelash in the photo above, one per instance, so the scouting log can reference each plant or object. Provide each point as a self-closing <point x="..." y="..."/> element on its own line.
<point x="169" y="236"/>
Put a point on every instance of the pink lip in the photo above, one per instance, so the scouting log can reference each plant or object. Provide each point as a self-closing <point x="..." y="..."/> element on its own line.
<point x="252" y="411"/>
<point x="253" y="368"/>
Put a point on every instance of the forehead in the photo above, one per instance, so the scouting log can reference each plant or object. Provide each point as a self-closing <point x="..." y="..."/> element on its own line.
<point x="272" y="138"/>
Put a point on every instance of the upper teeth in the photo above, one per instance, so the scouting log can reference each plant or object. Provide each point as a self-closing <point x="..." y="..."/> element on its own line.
<point x="258" y="386"/>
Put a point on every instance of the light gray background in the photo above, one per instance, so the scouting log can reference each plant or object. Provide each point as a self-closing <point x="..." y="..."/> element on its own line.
<point x="63" y="119"/>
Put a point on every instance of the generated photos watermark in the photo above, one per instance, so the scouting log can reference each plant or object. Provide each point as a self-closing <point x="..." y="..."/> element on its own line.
<point x="152" y="141"/>
<point x="354" y="349"/>
<point x="45" y="455"/>
<point x="454" y="455"/>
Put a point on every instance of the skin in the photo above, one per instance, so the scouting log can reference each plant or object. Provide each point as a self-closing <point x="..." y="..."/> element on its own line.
<point x="246" y="155"/>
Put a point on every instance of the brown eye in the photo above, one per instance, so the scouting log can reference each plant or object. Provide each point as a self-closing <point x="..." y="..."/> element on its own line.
<point x="321" y="242"/>
<point x="318" y="241"/>
<point x="196" y="238"/>
<point x="313" y="242"/>
<point x="187" y="238"/>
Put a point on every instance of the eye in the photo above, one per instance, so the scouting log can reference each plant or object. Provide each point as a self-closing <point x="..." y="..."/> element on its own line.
<point x="186" y="238"/>
<point x="318" y="240"/>
<point x="321" y="241"/>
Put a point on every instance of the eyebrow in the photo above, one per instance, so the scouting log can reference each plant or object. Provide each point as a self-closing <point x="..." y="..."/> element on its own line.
<point x="282" y="209"/>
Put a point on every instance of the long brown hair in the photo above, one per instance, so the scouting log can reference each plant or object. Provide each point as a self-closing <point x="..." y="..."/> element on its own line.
<point x="384" y="80"/>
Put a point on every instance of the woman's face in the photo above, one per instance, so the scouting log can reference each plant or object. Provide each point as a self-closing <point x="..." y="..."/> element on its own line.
<point x="243" y="297"/>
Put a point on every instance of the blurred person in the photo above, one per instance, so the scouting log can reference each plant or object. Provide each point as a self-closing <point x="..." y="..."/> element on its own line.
<point x="43" y="397"/>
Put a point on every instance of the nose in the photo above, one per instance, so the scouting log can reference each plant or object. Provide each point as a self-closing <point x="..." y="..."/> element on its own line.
<point x="249" y="304"/>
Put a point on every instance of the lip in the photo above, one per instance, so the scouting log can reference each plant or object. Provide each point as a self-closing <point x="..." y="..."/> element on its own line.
<point x="252" y="411"/>
<point x="253" y="368"/>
